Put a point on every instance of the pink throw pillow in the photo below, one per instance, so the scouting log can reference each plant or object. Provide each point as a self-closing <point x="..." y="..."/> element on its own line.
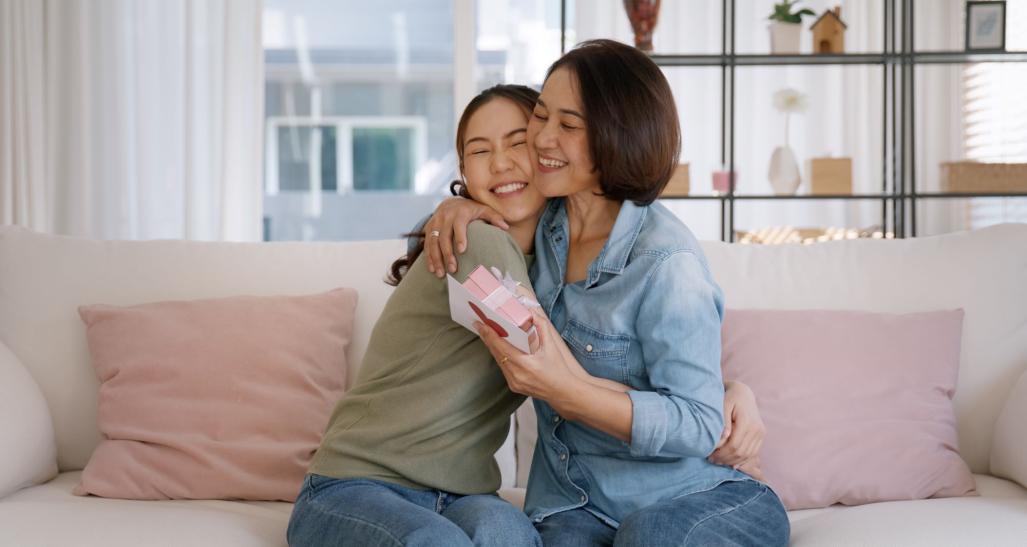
<point x="858" y="406"/>
<point x="214" y="399"/>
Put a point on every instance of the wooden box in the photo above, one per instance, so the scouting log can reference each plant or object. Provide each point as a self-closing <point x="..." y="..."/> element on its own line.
<point x="978" y="177"/>
<point x="679" y="182"/>
<point x="830" y="176"/>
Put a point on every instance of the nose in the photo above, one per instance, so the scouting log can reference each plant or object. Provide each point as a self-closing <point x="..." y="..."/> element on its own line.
<point x="546" y="136"/>
<point x="501" y="161"/>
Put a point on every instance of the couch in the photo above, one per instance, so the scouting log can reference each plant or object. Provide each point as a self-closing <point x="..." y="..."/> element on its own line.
<point x="44" y="278"/>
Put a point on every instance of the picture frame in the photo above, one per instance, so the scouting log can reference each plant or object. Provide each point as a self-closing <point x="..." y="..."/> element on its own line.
<point x="986" y="25"/>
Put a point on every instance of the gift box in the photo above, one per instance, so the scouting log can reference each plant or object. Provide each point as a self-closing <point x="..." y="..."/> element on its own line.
<point x="494" y="294"/>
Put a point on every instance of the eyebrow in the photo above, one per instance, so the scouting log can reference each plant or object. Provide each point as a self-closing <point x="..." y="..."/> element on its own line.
<point x="507" y="136"/>
<point x="563" y="110"/>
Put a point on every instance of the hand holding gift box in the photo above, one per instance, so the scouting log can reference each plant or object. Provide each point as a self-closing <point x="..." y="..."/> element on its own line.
<point x="492" y="298"/>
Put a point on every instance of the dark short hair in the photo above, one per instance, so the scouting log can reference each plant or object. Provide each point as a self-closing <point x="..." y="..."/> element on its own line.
<point x="633" y="132"/>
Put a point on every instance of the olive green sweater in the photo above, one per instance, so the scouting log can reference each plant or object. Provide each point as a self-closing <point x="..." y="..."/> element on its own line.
<point x="430" y="406"/>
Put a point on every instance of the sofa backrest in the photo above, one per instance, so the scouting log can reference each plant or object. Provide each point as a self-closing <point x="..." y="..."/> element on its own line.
<point x="44" y="278"/>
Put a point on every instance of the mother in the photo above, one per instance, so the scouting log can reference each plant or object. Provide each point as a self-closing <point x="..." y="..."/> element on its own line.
<point x="626" y="284"/>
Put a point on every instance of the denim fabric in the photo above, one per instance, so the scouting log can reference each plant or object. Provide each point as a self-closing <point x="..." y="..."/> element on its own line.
<point x="736" y="513"/>
<point x="366" y="513"/>
<point x="648" y="315"/>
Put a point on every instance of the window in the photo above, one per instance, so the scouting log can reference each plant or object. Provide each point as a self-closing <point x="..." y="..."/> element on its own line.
<point x="995" y="119"/>
<point x="347" y="154"/>
<point x="362" y="98"/>
<point x="359" y="106"/>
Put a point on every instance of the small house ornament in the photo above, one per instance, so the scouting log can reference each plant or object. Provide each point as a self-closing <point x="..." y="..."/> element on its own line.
<point x="829" y="32"/>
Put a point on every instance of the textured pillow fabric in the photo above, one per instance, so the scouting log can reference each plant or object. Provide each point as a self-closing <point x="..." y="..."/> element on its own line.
<point x="28" y="448"/>
<point x="857" y="406"/>
<point x="214" y="399"/>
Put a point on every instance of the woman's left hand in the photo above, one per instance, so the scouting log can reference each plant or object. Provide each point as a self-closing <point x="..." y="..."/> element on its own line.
<point x="743" y="427"/>
<point x="541" y="374"/>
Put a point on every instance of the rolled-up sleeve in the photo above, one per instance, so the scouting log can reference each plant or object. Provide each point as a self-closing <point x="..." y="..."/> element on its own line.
<point x="678" y="328"/>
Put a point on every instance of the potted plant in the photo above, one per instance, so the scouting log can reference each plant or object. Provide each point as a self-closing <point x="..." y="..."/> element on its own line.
<point x="785" y="27"/>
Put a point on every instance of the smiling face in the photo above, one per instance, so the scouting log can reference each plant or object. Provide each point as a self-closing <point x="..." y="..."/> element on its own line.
<point x="558" y="133"/>
<point x="495" y="161"/>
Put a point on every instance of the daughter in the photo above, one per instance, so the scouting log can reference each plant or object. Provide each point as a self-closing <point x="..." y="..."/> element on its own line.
<point x="408" y="454"/>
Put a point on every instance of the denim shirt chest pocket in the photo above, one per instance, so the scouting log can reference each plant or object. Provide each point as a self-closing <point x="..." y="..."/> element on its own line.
<point x="602" y="354"/>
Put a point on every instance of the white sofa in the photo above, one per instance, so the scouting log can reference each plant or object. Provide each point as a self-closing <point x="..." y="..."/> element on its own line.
<point x="44" y="278"/>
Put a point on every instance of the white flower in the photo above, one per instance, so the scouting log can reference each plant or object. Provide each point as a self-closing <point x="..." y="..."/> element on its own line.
<point x="790" y="100"/>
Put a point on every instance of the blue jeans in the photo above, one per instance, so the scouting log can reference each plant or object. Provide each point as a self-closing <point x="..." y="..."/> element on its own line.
<point x="734" y="513"/>
<point x="364" y="512"/>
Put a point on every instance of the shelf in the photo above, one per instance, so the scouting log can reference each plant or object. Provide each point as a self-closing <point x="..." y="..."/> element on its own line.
<point x="771" y="60"/>
<point x="813" y="59"/>
<point x="965" y="195"/>
<point x="898" y="60"/>
<point x="844" y="197"/>
<point x="697" y="197"/>
<point x="954" y="57"/>
<point x="852" y="197"/>
<point x="923" y="57"/>
<point x="738" y="197"/>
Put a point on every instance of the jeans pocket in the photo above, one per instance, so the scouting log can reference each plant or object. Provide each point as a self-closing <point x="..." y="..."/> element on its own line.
<point x="315" y="481"/>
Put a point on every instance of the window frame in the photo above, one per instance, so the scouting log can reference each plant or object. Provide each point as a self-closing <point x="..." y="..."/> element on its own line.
<point x="344" y="126"/>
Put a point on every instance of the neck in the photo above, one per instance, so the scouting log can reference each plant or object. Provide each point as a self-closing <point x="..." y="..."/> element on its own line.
<point x="590" y="216"/>
<point x="523" y="232"/>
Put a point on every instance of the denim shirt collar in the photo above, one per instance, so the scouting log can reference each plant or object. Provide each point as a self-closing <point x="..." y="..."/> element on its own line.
<point x="614" y="255"/>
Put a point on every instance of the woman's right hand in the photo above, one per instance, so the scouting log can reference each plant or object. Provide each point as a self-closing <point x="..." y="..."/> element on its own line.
<point x="450" y="222"/>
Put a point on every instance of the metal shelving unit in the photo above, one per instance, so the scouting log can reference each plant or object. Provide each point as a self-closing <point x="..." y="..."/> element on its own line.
<point x="897" y="59"/>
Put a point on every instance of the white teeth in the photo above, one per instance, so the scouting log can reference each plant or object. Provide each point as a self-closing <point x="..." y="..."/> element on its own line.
<point x="552" y="163"/>
<point x="508" y="188"/>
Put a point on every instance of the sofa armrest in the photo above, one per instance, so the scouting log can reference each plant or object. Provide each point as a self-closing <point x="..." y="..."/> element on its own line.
<point x="28" y="447"/>
<point x="1009" y="446"/>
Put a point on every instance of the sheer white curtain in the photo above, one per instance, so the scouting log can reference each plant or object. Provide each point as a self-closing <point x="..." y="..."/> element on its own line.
<point x="145" y="116"/>
<point x="844" y="118"/>
<point x="23" y="195"/>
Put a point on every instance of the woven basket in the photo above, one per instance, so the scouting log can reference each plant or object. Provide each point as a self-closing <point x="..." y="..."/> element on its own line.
<point x="973" y="177"/>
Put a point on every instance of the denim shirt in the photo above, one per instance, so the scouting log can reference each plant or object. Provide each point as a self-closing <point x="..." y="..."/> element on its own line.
<point x="648" y="315"/>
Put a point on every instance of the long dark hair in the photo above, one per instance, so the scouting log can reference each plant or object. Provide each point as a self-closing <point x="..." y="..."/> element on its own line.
<point x="522" y="96"/>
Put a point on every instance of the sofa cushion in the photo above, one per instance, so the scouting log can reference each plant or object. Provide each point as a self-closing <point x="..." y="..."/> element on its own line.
<point x="998" y="518"/>
<point x="27" y="518"/>
<point x="222" y="398"/>
<point x="28" y="451"/>
<point x="857" y="405"/>
<point x="1009" y="453"/>
<point x="48" y="515"/>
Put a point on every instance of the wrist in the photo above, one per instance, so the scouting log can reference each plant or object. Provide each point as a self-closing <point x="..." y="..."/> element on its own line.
<point x="569" y="402"/>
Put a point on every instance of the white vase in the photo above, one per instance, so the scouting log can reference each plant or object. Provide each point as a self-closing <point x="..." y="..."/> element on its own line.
<point x="784" y="171"/>
<point x="784" y="38"/>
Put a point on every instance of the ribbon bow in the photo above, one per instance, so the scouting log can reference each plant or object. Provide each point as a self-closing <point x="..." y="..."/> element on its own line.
<point x="511" y="284"/>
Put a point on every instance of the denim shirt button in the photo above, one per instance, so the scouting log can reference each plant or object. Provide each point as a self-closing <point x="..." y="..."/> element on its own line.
<point x="556" y="419"/>
<point x="583" y="499"/>
<point x="588" y="348"/>
<point x="563" y="457"/>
